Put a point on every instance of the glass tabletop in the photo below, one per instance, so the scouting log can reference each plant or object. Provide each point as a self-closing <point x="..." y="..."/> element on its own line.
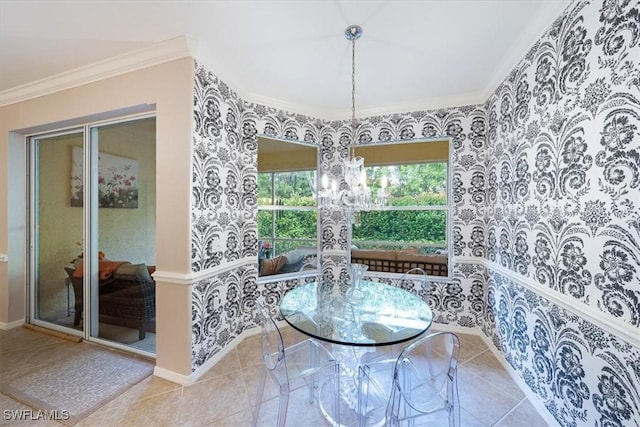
<point x="374" y="314"/>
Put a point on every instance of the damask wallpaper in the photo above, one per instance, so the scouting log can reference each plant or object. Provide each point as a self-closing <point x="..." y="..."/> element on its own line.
<point x="546" y="187"/>
<point x="564" y="158"/>
<point x="563" y="211"/>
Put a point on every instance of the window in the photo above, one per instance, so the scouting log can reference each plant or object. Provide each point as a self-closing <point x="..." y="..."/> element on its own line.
<point x="416" y="215"/>
<point x="287" y="210"/>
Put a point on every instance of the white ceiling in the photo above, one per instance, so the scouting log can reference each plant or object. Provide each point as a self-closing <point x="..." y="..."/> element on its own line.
<point x="292" y="54"/>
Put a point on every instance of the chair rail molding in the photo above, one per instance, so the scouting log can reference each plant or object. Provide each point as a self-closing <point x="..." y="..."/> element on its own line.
<point x="468" y="260"/>
<point x="197" y="276"/>
<point x="619" y="328"/>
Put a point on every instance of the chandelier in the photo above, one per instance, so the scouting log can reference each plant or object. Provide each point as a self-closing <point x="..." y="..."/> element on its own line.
<point x="357" y="195"/>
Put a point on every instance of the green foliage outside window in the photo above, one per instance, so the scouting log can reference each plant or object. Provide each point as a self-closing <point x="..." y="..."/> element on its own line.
<point x="415" y="185"/>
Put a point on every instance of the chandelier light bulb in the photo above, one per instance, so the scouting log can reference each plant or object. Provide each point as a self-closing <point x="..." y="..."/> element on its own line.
<point x="325" y="181"/>
<point x="363" y="177"/>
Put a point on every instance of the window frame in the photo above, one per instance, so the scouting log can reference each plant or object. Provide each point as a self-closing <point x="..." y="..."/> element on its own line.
<point x="274" y="208"/>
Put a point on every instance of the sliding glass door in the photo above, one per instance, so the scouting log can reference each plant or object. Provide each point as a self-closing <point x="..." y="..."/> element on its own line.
<point x="93" y="232"/>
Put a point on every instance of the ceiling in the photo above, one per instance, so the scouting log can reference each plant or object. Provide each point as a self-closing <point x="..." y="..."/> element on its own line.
<point x="292" y="54"/>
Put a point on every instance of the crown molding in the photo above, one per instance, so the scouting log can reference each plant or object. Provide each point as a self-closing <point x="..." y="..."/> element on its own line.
<point x="361" y="113"/>
<point x="158" y="53"/>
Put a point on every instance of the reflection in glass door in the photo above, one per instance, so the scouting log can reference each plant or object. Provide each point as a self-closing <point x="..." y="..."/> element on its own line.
<point x="108" y="295"/>
<point x="125" y="222"/>
<point x="57" y="233"/>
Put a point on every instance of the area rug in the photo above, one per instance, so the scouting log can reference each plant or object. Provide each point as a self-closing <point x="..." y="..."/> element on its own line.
<point x="80" y="384"/>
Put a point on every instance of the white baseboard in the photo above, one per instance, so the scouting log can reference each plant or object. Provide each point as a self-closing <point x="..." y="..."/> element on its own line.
<point x="445" y="327"/>
<point x="187" y="380"/>
<point x="15" y="324"/>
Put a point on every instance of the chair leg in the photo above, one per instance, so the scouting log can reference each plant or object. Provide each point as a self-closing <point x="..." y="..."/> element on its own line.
<point x="454" y="411"/>
<point x="283" y="405"/>
<point x="336" y="395"/>
<point x="363" y="394"/>
<point x="258" y="398"/>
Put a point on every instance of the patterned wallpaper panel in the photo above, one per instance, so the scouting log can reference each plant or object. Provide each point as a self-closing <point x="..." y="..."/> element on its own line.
<point x="583" y="375"/>
<point x="224" y="200"/>
<point x="563" y="210"/>
<point x="563" y="183"/>
<point x="218" y="311"/>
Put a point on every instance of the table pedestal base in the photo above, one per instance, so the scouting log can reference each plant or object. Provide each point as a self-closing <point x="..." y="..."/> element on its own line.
<point x="349" y="359"/>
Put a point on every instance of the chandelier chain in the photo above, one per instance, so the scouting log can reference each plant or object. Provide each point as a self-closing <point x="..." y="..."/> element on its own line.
<point x="353" y="85"/>
<point x="353" y="91"/>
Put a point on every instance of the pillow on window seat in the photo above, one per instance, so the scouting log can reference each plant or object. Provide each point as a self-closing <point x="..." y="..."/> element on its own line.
<point x="270" y="266"/>
<point x="135" y="272"/>
<point x="294" y="261"/>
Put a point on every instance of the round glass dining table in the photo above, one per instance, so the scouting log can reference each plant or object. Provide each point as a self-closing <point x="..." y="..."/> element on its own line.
<point x="374" y="314"/>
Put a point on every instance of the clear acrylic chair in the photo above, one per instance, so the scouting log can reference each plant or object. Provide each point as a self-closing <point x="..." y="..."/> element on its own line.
<point x="422" y="382"/>
<point x="415" y="274"/>
<point x="390" y="353"/>
<point x="308" y="273"/>
<point x="305" y="363"/>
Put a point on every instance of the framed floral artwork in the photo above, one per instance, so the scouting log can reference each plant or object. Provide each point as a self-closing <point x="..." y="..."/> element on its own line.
<point x="117" y="180"/>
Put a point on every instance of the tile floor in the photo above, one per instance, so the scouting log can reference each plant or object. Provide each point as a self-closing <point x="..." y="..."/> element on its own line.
<point x="224" y="395"/>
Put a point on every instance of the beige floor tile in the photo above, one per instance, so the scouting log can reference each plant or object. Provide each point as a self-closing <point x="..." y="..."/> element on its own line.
<point x="300" y="412"/>
<point x="242" y="418"/>
<point x="158" y="411"/>
<point x="150" y="387"/>
<point x="469" y="420"/>
<point x="487" y="406"/>
<point x="249" y="351"/>
<point x="251" y="379"/>
<point x="470" y="347"/>
<point x="21" y="339"/>
<point x="207" y="401"/>
<point x="488" y="367"/>
<point x="474" y="340"/>
<point x="524" y="411"/>
<point x="229" y="363"/>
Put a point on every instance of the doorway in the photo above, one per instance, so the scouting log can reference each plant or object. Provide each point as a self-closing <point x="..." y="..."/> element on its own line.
<point x="92" y="247"/>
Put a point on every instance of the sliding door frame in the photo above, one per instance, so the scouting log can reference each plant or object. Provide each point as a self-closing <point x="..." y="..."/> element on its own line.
<point x="90" y="229"/>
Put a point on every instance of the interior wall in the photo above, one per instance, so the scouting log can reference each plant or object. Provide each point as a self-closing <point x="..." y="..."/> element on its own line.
<point x="224" y="209"/>
<point x="563" y="216"/>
